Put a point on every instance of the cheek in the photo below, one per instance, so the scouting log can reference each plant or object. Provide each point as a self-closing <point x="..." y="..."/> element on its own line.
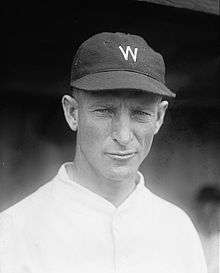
<point x="145" y="138"/>
<point x="91" y="133"/>
<point x="148" y="139"/>
<point x="145" y="135"/>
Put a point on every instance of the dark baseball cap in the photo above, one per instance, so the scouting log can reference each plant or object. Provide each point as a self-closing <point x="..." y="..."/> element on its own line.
<point x="118" y="61"/>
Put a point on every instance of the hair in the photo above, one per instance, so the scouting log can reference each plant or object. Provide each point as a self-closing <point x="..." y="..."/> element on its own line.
<point x="74" y="92"/>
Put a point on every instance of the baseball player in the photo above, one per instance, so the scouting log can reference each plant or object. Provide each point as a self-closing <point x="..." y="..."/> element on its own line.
<point x="96" y="215"/>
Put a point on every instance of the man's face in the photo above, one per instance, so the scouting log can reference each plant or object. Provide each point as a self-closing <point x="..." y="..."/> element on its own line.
<point x="115" y="131"/>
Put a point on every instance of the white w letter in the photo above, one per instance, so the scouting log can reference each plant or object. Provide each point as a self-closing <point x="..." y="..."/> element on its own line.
<point x="126" y="53"/>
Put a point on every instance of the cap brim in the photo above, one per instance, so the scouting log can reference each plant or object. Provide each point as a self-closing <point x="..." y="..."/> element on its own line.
<point x="111" y="80"/>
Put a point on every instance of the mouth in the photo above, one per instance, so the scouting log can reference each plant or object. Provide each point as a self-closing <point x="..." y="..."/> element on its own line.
<point x="121" y="155"/>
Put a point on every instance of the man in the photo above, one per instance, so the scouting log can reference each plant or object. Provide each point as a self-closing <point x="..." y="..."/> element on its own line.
<point x="96" y="215"/>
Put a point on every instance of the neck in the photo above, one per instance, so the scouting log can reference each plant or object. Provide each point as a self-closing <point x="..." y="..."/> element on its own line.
<point x="114" y="191"/>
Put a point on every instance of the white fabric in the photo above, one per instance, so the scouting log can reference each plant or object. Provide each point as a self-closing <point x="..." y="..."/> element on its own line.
<point x="65" y="228"/>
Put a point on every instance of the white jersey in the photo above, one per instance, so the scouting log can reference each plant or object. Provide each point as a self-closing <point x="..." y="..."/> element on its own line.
<point x="64" y="227"/>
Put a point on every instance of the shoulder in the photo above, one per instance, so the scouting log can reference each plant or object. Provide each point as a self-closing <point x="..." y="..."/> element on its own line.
<point x="170" y="215"/>
<point x="28" y="208"/>
<point x="175" y="227"/>
<point x="163" y="212"/>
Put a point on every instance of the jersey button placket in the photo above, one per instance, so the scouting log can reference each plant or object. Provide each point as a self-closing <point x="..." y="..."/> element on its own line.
<point x="115" y="235"/>
<point x="117" y="241"/>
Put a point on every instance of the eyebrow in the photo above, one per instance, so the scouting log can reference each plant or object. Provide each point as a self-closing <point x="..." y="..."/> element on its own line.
<point x="102" y="104"/>
<point x="112" y="106"/>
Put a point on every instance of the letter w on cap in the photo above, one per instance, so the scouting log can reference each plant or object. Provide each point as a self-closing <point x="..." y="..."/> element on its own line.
<point x="126" y="53"/>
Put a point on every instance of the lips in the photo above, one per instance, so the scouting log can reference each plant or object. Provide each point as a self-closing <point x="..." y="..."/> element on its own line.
<point x="121" y="155"/>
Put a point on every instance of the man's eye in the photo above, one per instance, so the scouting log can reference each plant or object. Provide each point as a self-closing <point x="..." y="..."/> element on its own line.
<point x="140" y="113"/>
<point x="103" y="110"/>
<point x="141" y="116"/>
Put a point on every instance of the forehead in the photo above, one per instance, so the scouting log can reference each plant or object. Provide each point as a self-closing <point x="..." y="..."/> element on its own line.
<point x="116" y="96"/>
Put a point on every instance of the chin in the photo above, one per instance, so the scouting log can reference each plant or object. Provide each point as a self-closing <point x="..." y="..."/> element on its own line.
<point x="120" y="173"/>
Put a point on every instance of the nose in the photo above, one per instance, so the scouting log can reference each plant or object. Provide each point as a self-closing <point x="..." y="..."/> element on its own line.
<point x="122" y="130"/>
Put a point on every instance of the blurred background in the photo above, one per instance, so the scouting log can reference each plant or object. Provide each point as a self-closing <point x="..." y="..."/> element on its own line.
<point x="39" y="41"/>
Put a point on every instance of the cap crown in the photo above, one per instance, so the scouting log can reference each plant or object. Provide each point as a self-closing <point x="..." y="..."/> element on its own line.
<point x="117" y="52"/>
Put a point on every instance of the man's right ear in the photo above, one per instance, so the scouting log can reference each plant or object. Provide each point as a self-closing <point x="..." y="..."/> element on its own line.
<point x="70" y="108"/>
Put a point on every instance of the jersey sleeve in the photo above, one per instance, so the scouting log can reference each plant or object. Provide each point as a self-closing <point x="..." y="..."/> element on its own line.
<point x="193" y="253"/>
<point x="12" y="248"/>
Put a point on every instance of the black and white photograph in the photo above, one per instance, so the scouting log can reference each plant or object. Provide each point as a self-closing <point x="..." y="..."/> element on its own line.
<point x="110" y="137"/>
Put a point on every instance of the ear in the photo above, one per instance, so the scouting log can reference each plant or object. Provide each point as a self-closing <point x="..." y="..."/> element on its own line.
<point x="161" y="110"/>
<point x="70" y="108"/>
